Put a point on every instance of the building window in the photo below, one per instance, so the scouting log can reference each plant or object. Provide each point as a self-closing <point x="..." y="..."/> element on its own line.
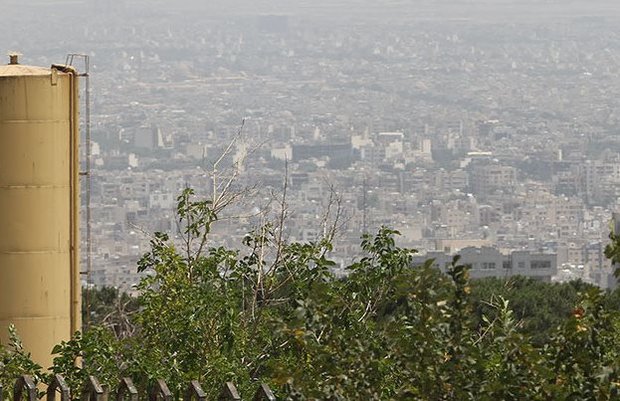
<point x="540" y="264"/>
<point x="521" y="265"/>
<point x="507" y="265"/>
<point x="488" y="265"/>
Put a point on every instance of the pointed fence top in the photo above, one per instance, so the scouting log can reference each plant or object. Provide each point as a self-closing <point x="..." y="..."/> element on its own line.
<point x="92" y="390"/>
<point x="264" y="393"/>
<point x="159" y="391"/>
<point x="194" y="391"/>
<point x="229" y="393"/>
<point x="25" y="382"/>
<point x="126" y="389"/>
<point x="58" y="384"/>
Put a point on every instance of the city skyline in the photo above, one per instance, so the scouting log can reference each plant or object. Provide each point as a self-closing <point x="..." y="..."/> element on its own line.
<point x="436" y="118"/>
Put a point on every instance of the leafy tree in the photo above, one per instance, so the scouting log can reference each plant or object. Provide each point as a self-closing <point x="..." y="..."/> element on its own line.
<point x="538" y="307"/>
<point x="275" y="311"/>
<point x="107" y="306"/>
<point x="612" y="250"/>
<point x="16" y="361"/>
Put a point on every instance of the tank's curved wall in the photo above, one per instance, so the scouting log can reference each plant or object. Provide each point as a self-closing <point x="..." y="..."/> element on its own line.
<point x="38" y="247"/>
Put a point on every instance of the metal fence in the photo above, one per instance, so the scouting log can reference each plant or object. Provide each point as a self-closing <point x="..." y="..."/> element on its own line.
<point x="26" y="389"/>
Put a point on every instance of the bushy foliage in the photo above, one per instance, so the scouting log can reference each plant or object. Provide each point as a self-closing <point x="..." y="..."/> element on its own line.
<point x="16" y="361"/>
<point x="539" y="307"/>
<point x="276" y="312"/>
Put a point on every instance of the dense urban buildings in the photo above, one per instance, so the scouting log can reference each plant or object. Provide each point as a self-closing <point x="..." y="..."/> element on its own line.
<point x="468" y="135"/>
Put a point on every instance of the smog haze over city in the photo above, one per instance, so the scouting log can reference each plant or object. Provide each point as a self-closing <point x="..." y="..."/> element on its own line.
<point x="489" y="128"/>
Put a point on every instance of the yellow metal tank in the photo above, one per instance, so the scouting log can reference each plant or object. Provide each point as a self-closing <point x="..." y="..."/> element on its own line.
<point x="39" y="194"/>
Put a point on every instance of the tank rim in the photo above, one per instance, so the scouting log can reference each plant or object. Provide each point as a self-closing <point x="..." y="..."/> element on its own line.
<point x="17" y="70"/>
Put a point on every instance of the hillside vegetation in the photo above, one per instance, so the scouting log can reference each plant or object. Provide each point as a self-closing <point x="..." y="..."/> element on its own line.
<point x="275" y="312"/>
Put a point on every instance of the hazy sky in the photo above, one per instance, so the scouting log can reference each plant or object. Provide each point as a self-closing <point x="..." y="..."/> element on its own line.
<point x="25" y="23"/>
<point x="499" y="10"/>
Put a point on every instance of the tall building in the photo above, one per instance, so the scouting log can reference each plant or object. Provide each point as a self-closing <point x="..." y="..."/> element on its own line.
<point x="486" y="178"/>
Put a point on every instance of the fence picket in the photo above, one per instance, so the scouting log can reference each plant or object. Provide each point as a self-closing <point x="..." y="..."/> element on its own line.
<point x="58" y="384"/>
<point x="159" y="391"/>
<point x="194" y="391"/>
<point x="92" y="390"/>
<point x="126" y="388"/>
<point x="229" y="393"/>
<point x="22" y="383"/>
<point x="264" y="393"/>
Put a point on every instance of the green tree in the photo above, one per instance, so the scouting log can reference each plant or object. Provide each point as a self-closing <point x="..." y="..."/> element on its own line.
<point x="274" y="311"/>
<point x="538" y="307"/>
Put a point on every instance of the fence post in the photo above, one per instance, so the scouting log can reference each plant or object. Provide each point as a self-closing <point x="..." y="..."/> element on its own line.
<point x="58" y="384"/>
<point x="194" y="391"/>
<point x="159" y="389"/>
<point x="92" y="390"/>
<point x="229" y="393"/>
<point x="24" y="382"/>
<point x="264" y="393"/>
<point x="126" y="388"/>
